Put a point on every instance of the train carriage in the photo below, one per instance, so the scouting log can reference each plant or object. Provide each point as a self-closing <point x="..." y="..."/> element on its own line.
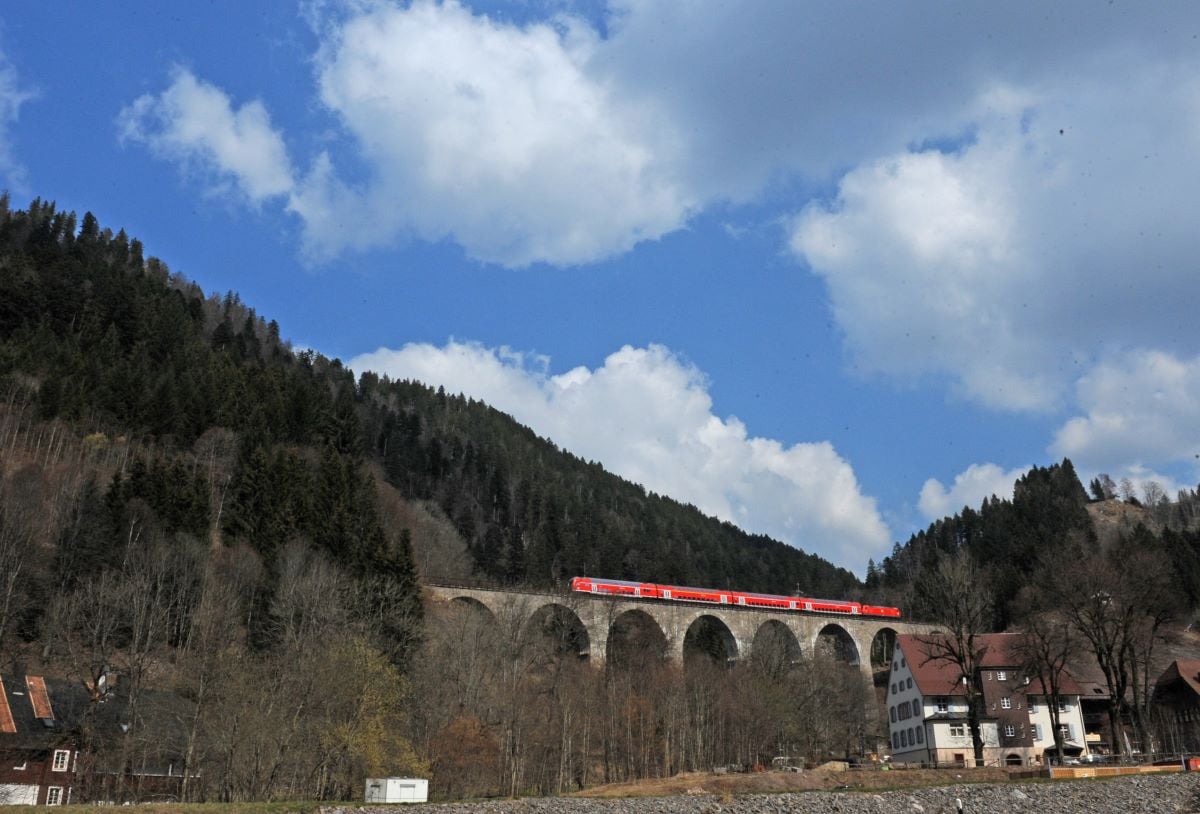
<point x="717" y="596"/>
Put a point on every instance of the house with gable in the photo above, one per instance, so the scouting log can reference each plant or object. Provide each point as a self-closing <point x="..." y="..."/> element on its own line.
<point x="1177" y="706"/>
<point x="928" y="712"/>
<point x="45" y="722"/>
<point x="38" y="750"/>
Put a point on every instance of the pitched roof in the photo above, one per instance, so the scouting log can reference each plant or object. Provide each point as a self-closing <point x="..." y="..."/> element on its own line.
<point x="1185" y="671"/>
<point x="47" y="713"/>
<point x="940" y="677"/>
<point x="34" y="721"/>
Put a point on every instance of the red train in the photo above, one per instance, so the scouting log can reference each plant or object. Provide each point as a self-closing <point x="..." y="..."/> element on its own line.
<point x="720" y="596"/>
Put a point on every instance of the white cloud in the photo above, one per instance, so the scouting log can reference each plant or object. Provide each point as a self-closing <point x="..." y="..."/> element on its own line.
<point x="13" y="175"/>
<point x="970" y="488"/>
<point x="648" y="417"/>
<point x="1062" y="232"/>
<point x="194" y="123"/>
<point x="1141" y="409"/>
<point x="497" y="136"/>
<point x="549" y="141"/>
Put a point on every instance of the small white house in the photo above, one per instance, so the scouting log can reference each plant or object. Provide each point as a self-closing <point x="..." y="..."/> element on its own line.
<point x="397" y="790"/>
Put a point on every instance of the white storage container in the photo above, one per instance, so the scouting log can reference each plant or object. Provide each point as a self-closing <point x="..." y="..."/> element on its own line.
<point x="397" y="790"/>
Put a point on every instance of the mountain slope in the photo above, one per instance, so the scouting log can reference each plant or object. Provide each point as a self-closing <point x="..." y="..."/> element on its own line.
<point x="269" y="446"/>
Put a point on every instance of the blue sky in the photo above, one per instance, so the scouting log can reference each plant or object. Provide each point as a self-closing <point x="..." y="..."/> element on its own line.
<point x="826" y="270"/>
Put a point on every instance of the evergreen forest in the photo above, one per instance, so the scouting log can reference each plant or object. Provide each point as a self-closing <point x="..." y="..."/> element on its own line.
<point x="191" y="504"/>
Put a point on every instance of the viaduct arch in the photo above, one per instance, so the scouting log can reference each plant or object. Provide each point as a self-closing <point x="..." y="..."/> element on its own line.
<point x="599" y="626"/>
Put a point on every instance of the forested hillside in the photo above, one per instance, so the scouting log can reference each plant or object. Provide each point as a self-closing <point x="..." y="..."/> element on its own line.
<point x="191" y="506"/>
<point x="1049" y="519"/>
<point x="194" y="412"/>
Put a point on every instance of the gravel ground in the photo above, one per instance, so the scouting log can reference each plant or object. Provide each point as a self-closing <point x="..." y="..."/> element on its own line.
<point x="1127" y="795"/>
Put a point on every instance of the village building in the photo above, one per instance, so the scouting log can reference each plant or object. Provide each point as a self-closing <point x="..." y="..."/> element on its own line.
<point x="1177" y="706"/>
<point x="62" y="742"/>
<point x="928" y="712"/>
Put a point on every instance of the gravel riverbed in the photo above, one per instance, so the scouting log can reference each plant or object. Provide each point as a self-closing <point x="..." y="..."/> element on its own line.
<point x="1127" y="795"/>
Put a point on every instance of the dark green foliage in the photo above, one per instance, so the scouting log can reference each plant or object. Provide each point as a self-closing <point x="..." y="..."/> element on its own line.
<point x="1006" y="538"/>
<point x="536" y="514"/>
<point x="115" y="341"/>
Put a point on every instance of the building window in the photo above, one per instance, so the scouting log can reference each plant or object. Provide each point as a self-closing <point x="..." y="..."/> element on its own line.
<point x="902" y="662"/>
<point x="54" y="796"/>
<point x="1065" y="731"/>
<point x="912" y="739"/>
<point x="21" y="768"/>
<point x="1063" y="706"/>
<point x="1010" y="731"/>
<point x="61" y="758"/>
<point x="943" y="705"/>
<point x="1032" y="704"/>
<point x="956" y="730"/>
<point x="1037" y="732"/>
<point x="895" y="740"/>
<point x="1001" y="675"/>
<point x="920" y="736"/>
<point x="893" y="688"/>
<point x="1005" y="703"/>
<point x="893" y="715"/>
<point x="903" y="739"/>
<point x="987" y="676"/>
<point x="908" y="682"/>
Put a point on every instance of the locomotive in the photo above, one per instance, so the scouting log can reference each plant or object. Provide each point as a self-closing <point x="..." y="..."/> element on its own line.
<point x="720" y="596"/>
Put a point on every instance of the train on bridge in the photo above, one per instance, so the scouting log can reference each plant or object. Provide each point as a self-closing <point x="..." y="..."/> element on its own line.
<point x="719" y="596"/>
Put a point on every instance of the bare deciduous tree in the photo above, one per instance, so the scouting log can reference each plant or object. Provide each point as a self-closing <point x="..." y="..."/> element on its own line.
<point x="959" y="598"/>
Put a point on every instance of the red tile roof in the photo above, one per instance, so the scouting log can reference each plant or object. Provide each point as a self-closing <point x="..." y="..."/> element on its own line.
<point x="940" y="677"/>
<point x="7" y="725"/>
<point x="39" y="698"/>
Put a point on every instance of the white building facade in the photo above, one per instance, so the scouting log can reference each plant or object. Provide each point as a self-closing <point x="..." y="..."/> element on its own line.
<point x="928" y="713"/>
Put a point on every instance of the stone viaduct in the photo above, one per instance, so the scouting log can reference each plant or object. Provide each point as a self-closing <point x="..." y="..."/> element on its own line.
<point x="595" y="621"/>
